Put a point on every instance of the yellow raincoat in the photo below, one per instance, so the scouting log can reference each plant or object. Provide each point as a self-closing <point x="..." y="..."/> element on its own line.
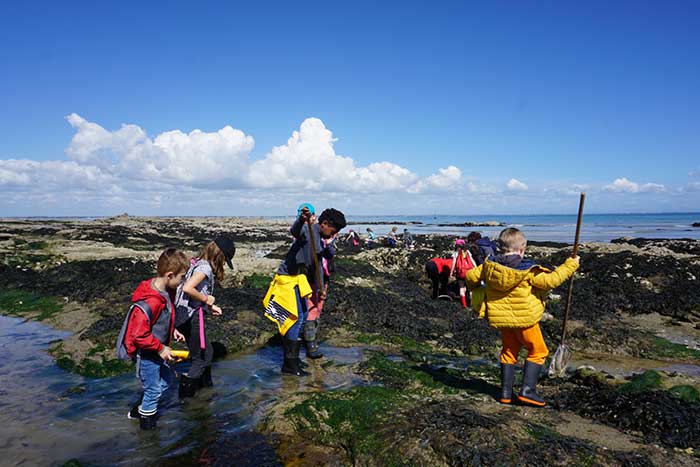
<point x="514" y="298"/>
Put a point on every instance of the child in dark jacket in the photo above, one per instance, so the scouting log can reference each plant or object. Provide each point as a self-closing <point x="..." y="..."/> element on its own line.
<point x="147" y="340"/>
<point x="295" y="294"/>
<point x="195" y="299"/>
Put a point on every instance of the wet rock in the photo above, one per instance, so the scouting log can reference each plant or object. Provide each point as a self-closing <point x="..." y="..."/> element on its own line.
<point x="659" y="416"/>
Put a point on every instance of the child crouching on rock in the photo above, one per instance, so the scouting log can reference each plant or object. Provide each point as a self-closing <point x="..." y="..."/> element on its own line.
<point x="515" y="291"/>
<point x="194" y="299"/>
<point x="146" y="333"/>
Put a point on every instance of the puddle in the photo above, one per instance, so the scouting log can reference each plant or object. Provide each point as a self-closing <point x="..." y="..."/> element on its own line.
<point x="50" y="415"/>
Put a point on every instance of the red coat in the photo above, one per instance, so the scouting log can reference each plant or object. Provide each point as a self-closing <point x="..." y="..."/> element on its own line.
<point x="443" y="265"/>
<point x="138" y="332"/>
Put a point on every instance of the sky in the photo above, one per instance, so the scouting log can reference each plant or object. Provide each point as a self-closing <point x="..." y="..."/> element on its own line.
<point x="250" y="108"/>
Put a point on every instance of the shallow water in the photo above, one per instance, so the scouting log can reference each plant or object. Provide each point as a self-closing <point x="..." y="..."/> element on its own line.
<point x="49" y="415"/>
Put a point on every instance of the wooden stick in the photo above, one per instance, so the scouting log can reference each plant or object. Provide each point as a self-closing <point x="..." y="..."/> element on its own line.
<point x="570" y="292"/>
<point x="313" y="252"/>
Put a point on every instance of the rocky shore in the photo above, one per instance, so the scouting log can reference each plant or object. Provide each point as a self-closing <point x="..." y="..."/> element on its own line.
<point x="430" y="369"/>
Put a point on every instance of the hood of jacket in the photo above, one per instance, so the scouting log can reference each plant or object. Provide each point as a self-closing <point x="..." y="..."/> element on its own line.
<point x="146" y="291"/>
<point x="507" y="271"/>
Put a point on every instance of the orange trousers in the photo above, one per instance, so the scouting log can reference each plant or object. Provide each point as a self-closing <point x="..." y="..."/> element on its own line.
<point x="517" y="338"/>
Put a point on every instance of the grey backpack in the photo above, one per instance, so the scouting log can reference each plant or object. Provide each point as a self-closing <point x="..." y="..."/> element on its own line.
<point x="121" y="349"/>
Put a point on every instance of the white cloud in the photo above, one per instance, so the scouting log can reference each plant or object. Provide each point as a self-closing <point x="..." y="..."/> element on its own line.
<point x="623" y="185"/>
<point x="692" y="186"/>
<point x="48" y="175"/>
<point x="516" y="185"/>
<point x="309" y="161"/>
<point x="195" y="158"/>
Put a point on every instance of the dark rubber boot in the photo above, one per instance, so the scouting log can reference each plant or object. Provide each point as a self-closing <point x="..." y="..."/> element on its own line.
<point x="312" y="350"/>
<point x="507" y="379"/>
<point x="188" y="386"/>
<point x="310" y="334"/>
<point x="205" y="380"/>
<point x="290" y="364"/>
<point x="133" y="414"/>
<point x="148" y="422"/>
<point x="528" y="393"/>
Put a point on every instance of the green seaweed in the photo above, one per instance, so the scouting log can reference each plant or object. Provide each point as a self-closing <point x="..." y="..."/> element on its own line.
<point x="663" y="348"/>
<point x="18" y="303"/>
<point x="399" y="374"/>
<point x="647" y="381"/>
<point x="93" y="368"/>
<point x="686" y="393"/>
<point x="257" y="281"/>
<point x="350" y="420"/>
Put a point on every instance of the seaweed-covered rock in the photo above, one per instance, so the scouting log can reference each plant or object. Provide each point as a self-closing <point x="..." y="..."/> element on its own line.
<point x="659" y="415"/>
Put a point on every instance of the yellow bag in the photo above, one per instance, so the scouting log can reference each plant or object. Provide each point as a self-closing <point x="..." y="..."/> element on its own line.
<point x="479" y="301"/>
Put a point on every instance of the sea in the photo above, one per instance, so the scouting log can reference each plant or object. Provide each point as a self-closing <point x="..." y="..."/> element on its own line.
<point x="538" y="227"/>
<point x="549" y="227"/>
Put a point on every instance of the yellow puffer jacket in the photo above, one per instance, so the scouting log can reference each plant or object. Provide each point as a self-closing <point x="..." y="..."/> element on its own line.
<point x="515" y="298"/>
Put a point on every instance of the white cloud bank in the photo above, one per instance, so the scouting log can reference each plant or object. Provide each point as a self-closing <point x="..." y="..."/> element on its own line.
<point x="623" y="185"/>
<point x="175" y="172"/>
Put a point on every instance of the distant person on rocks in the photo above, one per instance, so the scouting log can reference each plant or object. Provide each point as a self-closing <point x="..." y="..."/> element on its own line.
<point x="371" y="238"/>
<point x="353" y="238"/>
<point x="483" y="246"/>
<point x="514" y="293"/>
<point x="195" y="301"/>
<point x="407" y="240"/>
<point x="462" y="262"/>
<point x="391" y="237"/>
<point x="438" y="271"/>
<point x="294" y="295"/>
<point x="146" y="333"/>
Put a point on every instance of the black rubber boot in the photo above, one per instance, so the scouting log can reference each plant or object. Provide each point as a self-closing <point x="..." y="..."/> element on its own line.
<point x="133" y="414"/>
<point x="310" y="332"/>
<point x="188" y="386"/>
<point x="312" y="350"/>
<point x="290" y="364"/>
<point x="205" y="380"/>
<point x="528" y="393"/>
<point x="507" y="379"/>
<point x="148" y="422"/>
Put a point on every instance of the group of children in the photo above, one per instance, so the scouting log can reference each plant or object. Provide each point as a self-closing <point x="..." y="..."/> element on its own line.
<point x="508" y="289"/>
<point x="173" y="305"/>
<point x="176" y="303"/>
<point x="391" y="240"/>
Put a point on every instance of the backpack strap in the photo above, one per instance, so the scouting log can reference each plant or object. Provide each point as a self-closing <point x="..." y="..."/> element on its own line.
<point x="143" y="306"/>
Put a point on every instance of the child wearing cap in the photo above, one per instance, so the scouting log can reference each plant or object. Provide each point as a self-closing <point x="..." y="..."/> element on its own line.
<point x="462" y="262"/>
<point x="295" y="298"/>
<point x="194" y="300"/>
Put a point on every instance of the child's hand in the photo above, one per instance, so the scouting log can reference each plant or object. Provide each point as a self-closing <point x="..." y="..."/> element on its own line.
<point x="210" y="300"/>
<point x="166" y="354"/>
<point x="178" y="336"/>
<point x="216" y="311"/>
<point x="577" y="259"/>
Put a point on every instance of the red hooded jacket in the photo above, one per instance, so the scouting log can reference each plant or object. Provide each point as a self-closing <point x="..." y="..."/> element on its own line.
<point x="138" y="332"/>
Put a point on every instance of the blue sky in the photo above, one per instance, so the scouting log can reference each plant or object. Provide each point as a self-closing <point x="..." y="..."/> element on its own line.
<point x="529" y="101"/>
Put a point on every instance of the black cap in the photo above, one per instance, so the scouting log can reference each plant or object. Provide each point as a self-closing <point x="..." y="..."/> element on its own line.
<point x="227" y="246"/>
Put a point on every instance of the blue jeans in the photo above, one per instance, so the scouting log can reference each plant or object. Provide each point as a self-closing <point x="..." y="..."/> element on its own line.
<point x="297" y="329"/>
<point x="156" y="376"/>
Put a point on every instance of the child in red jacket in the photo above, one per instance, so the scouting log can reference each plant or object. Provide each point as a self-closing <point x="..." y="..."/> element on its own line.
<point x="150" y="325"/>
